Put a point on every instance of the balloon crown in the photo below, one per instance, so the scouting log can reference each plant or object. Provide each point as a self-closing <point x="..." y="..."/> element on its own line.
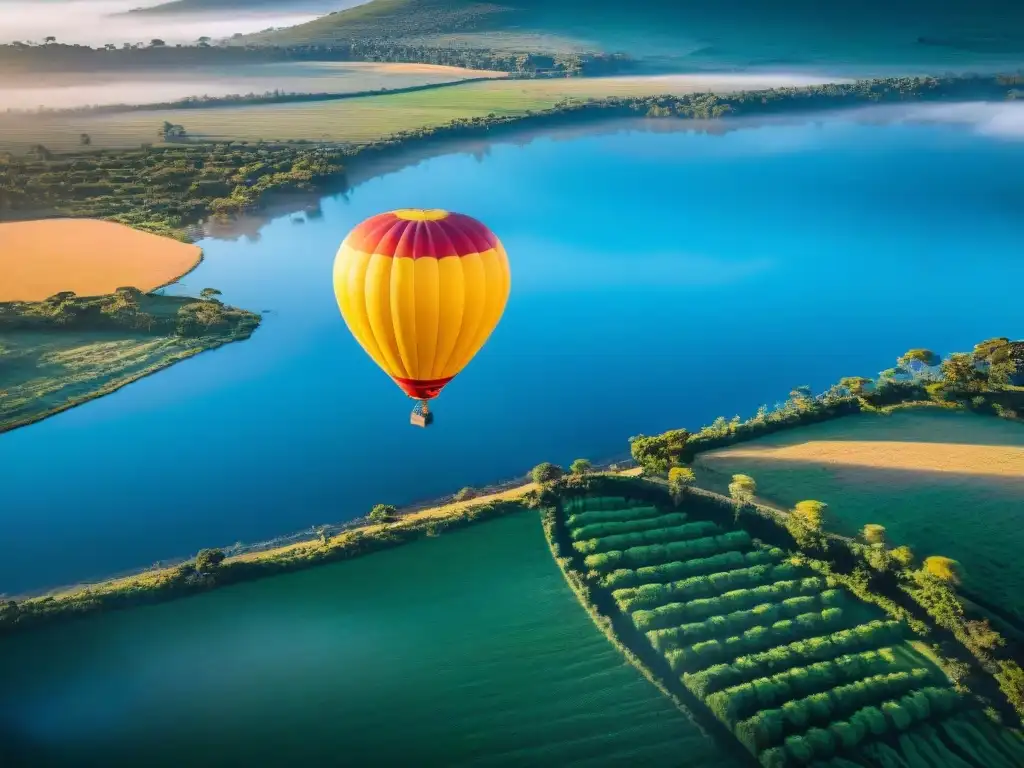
<point x="421" y="214"/>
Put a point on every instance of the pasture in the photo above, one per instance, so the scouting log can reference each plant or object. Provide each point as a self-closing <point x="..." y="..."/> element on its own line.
<point x="65" y="90"/>
<point x="796" y="670"/>
<point x="943" y="483"/>
<point x="357" y="120"/>
<point x="87" y="257"/>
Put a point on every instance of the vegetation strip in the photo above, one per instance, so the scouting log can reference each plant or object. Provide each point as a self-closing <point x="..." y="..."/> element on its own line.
<point x="791" y="695"/>
<point x="184" y="185"/>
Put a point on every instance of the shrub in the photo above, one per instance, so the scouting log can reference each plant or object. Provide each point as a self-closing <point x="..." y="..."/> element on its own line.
<point x="671" y="535"/>
<point x="208" y="560"/>
<point x="546" y="472"/>
<point x="382" y="513"/>
<point x="611" y="515"/>
<point x="903" y="555"/>
<point x="873" y="534"/>
<point x="680" y="478"/>
<point x="580" y="467"/>
<point x="616" y="527"/>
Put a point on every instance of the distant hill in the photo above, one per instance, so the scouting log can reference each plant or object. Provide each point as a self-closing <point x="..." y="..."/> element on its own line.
<point x="779" y="33"/>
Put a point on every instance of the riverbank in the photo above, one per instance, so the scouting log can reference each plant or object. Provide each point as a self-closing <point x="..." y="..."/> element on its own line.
<point x="284" y="133"/>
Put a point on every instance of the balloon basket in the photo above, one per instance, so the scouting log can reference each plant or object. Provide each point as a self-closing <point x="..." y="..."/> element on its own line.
<point x="421" y="416"/>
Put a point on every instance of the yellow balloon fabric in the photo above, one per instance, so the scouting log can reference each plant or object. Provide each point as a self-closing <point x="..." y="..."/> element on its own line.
<point x="421" y="291"/>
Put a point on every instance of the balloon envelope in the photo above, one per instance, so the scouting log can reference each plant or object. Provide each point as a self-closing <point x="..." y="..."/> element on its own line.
<point x="421" y="291"/>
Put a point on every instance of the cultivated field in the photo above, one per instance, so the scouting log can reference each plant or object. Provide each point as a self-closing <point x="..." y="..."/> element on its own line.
<point x="797" y="671"/>
<point x="88" y="257"/>
<point x="355" y="120"/>
<point x="63" y="90"/>
<point x="943" y="483"/>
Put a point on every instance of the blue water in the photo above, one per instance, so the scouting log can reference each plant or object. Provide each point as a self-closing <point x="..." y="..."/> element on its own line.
<point x="659" y="279"/>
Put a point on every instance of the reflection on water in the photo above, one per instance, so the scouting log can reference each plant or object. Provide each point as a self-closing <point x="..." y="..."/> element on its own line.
<point x="464" y="650"/>
<point x="660" y="279"/>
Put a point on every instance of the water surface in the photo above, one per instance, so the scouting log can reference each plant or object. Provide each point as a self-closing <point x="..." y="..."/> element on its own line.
<point x="660" y="278"/>
<point x="464" y="650"/>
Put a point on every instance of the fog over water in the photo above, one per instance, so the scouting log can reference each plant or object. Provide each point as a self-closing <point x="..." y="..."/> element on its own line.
<point x="97" y="22"/>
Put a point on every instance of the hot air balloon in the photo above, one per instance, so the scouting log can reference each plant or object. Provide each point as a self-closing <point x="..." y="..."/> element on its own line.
<point x="421" y="291"/>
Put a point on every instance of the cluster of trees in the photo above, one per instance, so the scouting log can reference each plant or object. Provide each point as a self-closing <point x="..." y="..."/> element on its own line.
<point x="162" y="189"/>
<point x="653" y="554"/>
<point x="653" y="574"/>
<point x="672" y="535"/>
<point x="129" y="309"/>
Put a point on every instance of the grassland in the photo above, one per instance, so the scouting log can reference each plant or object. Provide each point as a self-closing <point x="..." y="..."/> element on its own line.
<point x="355" y="121"/>
<point x="797" y="670"/>
<point x="87" y="257"/>
<point x="58" y="354"/>
<point x="75" y="89"/>
<point x="943" y="483"/>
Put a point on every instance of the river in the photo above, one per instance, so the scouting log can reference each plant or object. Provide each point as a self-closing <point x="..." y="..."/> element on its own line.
<point x="463" y="650"/>
<point x="663" y="274"/>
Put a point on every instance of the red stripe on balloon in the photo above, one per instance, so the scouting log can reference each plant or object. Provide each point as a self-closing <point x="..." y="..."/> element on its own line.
<point x="388" y="235"/>
<point x="422" y="389"/>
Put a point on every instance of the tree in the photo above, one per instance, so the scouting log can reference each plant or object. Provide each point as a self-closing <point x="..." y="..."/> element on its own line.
<point x="959" y="372"/>
<point x="84" y="139"/>
<point x="156" y="43"/>
<point x="1011" y="681"/>
<point x="918" y="358"/>
<point x="322" y="535"/>
<point x="546" y="472"/>
<point x="873" y="534"/>
<point x="580" y="467"/>
<point x="656" y="454"/>
<point x="209" y="293"/>
<point x="208" y="560"/>
<point x="49" y="39"/>
<point x="810" y="513"/>
<point x="742" y="489"/>
<point x="942" y="568"/>
<point x="857" y="385"/>
<point x="680" y="478"/>
<point x="903" y="555"/>
<point x="383" y="513"/>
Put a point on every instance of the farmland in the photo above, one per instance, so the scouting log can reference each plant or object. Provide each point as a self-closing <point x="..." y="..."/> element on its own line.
<point x="357" y="120"/>
<point x="943" y="483"/>
<point x="799" y="671"/>
<point x="88" y="257"/>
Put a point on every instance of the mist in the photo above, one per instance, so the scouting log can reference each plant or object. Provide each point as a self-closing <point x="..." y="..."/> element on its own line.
<point x="97" y="22"/>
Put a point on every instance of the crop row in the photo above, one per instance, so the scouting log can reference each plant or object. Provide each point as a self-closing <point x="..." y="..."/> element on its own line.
<point x="770" y="726"/>
<point x="665" y="553"/>
<point x="597" y="504"/>
<point x="731" y="623"/>
<point x="893" y="716"/>
<point x="652" y="595"/>
<point x="745" y="668"/>
<point x="738" y="599"/>
<point x="615" y="527"/>
<point x="988" y="746"/>
<point x="654" y="574"/>
<point x="703" y="654"/>
<point x="741" y="701"/>
<point x="675" y="533"/>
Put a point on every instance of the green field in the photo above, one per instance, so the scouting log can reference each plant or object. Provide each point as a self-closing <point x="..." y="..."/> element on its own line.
<point x="465" y="649"/>
<point x="797" y="671"/>
<point x="943" y="483"/>
<point x="356" y="120"/>
<point x="46" y="368"/>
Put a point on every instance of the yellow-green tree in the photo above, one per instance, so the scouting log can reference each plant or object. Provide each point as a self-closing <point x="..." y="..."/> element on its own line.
<point x="942" y="568"/>
<point x="873" y="534"/>
<point x="742" y="488"/>
<point x="903" y="555"/>
<point x="810" y="513"/>
<point x="680" y="478"/>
